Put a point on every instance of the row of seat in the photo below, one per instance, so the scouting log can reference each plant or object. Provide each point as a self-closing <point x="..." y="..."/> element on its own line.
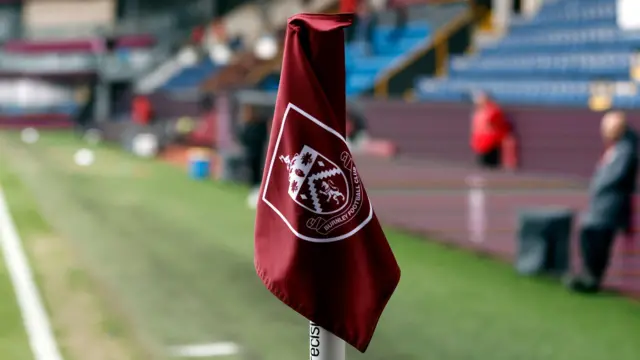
<point x="548" y="92"/>
<point x="576" y="25"/>
<point x="569" y="6"/>
<point x="577" y="59"/>
<point x="572" y="14"/>
<point x="427" y="85"/>
<point x="60" y="109"/>
<point x="568" y="24"/>
<point x="548" y="60"/>
<point x="586" y="38"/>
<point x="613" y="65"/>
<point x="191" y="76"/>
<point x="569" y="73"/>
<point x="388" y="46"/>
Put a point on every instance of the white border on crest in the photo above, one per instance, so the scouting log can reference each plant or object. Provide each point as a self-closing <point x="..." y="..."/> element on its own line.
<point x="273" y="159"/>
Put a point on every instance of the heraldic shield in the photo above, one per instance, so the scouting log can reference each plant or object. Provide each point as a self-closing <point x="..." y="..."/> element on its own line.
<point x="315" y="182"/>
<point x="317" y="171"/>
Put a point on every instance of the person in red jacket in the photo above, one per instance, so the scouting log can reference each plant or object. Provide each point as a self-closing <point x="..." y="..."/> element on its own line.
<point x="142" y="111"/>
<point x="348" y="6"/>
<point x="489" y="129"/>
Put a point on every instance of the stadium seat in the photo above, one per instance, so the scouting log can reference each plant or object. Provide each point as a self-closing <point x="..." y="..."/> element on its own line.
<point x="191" y="77"/>
<point x="575" y="65"/>
<point x="607" y="38"/>
<point x="548" y="92"/>
<point x="569" y="15"/>
<point x="549" y="59"/>
<point x="60" y="109"/>
<point x="626" y="102"/>
<point x="363" y="69"/>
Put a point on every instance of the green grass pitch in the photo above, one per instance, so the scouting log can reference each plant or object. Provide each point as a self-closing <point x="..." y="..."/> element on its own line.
<point x="176" y="258"/>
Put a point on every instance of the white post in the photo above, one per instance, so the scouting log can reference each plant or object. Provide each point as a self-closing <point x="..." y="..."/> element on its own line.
<point x="530" y="7"/>
<point x="628" y="14"/>
<point x="502" y="10"/>
<point x="323" y="345"/>
<point x="476" y="209"/>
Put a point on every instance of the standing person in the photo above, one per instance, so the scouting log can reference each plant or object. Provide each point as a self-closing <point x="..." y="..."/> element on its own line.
<point x="254" y="136"/>
<point x="364" y="25"/>
<point x="204" y="133"/>
<point x="610" y="204"/>
<point x="86" y="97"/>
<point x="348" y="6"/>
<point x="489" y="129"/>
<point x="217" y="42"/>
<point x="401" y="16"/>
<point x="356" y="124"/>
<point x="368" y="17"/>
<point x="142" y="110"/>
<point x="398" y="7"/>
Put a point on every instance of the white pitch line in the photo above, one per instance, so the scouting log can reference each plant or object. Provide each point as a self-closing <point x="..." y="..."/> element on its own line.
<point x="205" y="350"/>
<point x="34" y="316"/>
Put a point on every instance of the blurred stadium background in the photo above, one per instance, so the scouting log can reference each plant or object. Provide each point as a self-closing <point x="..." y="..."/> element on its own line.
<point x="134" y="258"/>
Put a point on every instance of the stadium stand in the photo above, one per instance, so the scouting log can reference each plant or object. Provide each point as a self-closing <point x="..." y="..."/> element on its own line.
<point x="248" y="22"/>
<point x="551" y="59"/>
<point x="191" y="76"/>
<point x="365" y="69"/>
<point x="57" y="68"/>
<point x="66" y="53"/>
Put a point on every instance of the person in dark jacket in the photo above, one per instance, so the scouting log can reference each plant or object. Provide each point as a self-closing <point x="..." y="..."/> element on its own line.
<point x="356" y="123"/>
<point x="363" y="28"/>
<point x="610" y="205"/>
<point x="254" y="136"/>
<point x="86" y="98"/>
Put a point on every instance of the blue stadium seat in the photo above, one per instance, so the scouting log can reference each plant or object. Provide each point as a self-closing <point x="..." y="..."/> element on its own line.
<point x="569" y="15"/>
<point x="549" y="59"/>
<point x="626" y="102"/>
<point x="598" y="38"/>
<point x="363" y="68"/>
<point x="191" y="77"/>
<point x="270" y="82"/>
<point x="574" y="65"/>
<point x="16" y="110"/>
<point x="551" y="92"/>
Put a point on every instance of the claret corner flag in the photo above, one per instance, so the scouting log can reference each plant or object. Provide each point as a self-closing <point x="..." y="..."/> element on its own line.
<point x="319" y="247"/>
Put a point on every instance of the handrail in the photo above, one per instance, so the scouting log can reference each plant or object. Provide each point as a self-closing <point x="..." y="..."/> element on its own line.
<point x="263" y="70"/>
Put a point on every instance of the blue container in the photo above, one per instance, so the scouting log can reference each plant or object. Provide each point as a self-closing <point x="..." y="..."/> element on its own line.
<point x="199" y="165"/>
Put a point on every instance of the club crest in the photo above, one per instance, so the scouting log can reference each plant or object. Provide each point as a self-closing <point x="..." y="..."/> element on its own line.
<point x="326" y="200"/>
<point x="315" y="182"/>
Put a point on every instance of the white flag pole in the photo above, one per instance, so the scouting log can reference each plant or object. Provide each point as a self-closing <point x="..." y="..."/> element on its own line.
<point x="323" y="345"/>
